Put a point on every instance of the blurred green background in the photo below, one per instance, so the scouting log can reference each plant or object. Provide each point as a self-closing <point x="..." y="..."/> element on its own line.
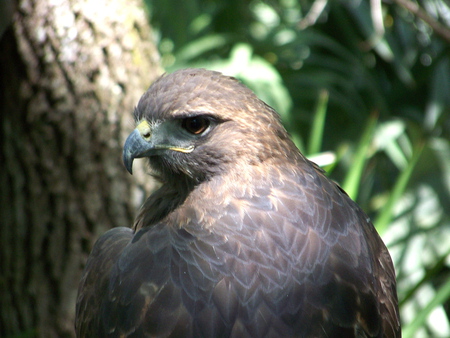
<point x="364" y="89"/>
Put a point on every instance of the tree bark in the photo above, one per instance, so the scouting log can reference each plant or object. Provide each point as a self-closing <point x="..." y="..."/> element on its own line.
<point x="71" y="72"/>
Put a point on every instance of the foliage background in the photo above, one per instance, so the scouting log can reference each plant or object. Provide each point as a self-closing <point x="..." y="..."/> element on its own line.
<point x="364" y="89"/>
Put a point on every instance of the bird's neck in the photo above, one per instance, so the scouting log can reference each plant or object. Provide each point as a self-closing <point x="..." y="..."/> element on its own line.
<point x="208" y="207"/>
<point x="170" y="196"/>
<point x="183" y="203"/>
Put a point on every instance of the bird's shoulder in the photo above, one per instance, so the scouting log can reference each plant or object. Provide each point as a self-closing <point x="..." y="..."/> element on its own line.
<point x="93" y="287"/>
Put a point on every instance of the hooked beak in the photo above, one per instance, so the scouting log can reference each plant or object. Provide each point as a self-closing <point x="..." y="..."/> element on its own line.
<point x="137" y="145"/>
<point x="145" y="141"/>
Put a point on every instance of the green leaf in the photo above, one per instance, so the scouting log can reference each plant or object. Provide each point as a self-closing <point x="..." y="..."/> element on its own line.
<point x="200" y="46"/>
<point x="429" y="274"/>
<point x="440" y="298"/>
<point x="353" y="177"/>
<point x="316" y="136"/>
<point x="385" y="215"/>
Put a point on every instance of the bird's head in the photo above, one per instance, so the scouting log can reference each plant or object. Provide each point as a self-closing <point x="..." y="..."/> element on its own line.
<point x="195" y="122"/>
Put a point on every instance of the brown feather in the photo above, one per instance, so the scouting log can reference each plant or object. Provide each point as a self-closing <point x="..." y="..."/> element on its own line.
<point x="245" y="238"/>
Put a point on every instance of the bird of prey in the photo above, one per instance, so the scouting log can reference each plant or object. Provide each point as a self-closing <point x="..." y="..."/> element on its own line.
<point x="244" y="238"/>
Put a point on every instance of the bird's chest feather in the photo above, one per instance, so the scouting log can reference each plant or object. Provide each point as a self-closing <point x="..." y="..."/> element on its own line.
<point x="264" y="254"/>
<point x="264" y="248"/>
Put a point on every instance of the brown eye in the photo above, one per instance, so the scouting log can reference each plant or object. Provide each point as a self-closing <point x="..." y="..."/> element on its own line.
<point x="196" y="125"/>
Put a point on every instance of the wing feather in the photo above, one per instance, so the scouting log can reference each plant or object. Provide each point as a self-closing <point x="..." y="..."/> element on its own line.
<point x="93" y="288"/>
<point x="303" y="262"/>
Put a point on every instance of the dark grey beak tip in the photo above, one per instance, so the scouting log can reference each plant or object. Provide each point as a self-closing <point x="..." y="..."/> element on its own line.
<point x="131" y="150"/>
<point x="128" y="161"/>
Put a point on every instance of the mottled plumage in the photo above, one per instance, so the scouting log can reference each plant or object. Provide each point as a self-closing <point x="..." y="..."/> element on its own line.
<point x="245" y="237"/>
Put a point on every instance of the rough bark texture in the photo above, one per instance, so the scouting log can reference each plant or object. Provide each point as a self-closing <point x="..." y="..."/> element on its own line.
<point x="70" y="74"/>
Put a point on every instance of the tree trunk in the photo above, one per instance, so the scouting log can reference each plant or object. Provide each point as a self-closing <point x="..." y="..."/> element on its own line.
<point x="71" y="73"/>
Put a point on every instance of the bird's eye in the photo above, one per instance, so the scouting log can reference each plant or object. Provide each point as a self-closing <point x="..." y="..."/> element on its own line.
<point x="196" y="125"/>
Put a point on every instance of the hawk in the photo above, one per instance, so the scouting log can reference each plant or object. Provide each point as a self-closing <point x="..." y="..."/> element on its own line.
<point x="244" y="238"/>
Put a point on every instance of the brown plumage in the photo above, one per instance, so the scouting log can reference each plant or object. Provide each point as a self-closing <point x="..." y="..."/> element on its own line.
<point x="245" y="237"/>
